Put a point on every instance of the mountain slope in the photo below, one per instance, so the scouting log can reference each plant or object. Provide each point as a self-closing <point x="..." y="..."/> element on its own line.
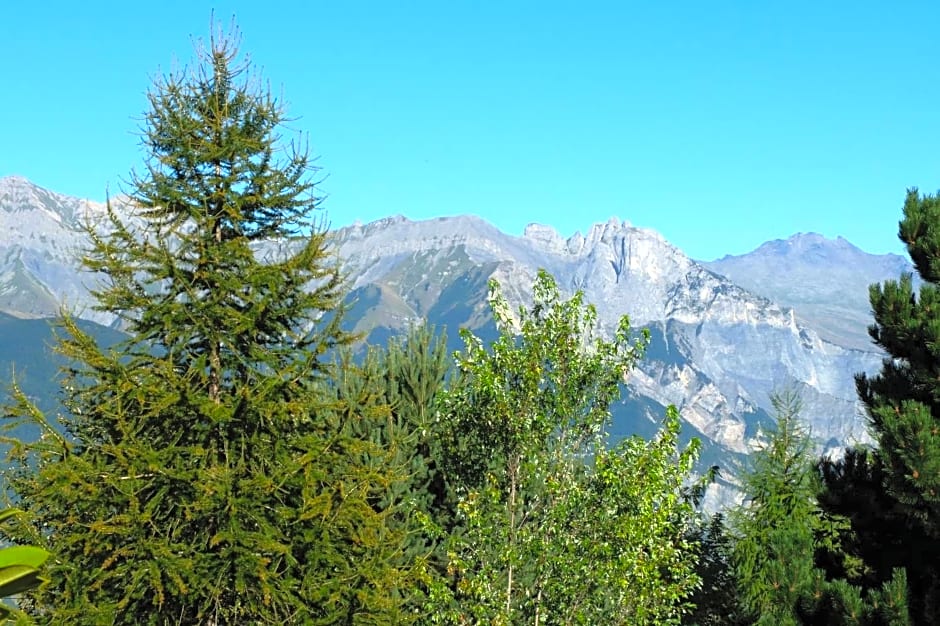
<point x="718" y="348"/>
<point x="40" y="242"/>
<point x="27" y="356"/>
<point x="721" y="349"/>
<point x="825" y="280"/>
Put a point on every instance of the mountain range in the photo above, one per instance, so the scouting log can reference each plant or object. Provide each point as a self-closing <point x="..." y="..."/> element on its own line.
<point x="725" y="333"/>
<point x="825" y="281"/>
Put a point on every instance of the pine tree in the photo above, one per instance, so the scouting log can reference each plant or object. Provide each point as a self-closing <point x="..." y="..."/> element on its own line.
<point x="417" y="368"/>
<point x="399" y="384"/>
<point x="903" y="405"/>
<point x="853" y="488"/>
<point x="206" y="475"/>
<point x="716" y="602"/>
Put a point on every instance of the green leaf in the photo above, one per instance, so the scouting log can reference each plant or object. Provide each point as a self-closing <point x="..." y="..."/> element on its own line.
<point x="30" y="556"/>
<point x="16" y="579"/>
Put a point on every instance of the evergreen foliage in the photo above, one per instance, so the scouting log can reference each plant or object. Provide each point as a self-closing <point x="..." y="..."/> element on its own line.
<point x="783" y="533"/>
<point x="853" y="487"/>
<point x="775" y="530"/>
<point x="418" y="368"/>
<point x="207" y="474"/>
<point x="399" y="384"/>
<point x="716" y="602"/>
<point x="903" y="404"/>
<point x="557" y="529"/>
<point x="840" y="602"/>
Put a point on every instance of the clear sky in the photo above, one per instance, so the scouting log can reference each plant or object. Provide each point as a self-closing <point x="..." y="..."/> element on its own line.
<point x="720" y="124"/>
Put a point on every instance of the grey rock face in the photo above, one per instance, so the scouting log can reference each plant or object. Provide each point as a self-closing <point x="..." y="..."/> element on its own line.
<point x="825" y="280"/>
<point x="718" y="348"/>
<point x="41" y="239"/>
<point x="725" y="348"/>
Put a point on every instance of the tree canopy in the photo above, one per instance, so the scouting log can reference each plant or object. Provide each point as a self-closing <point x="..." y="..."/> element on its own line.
<point x="559" y="529"/>
<point x="890" y="493"/>
<point x="205" y="474"/>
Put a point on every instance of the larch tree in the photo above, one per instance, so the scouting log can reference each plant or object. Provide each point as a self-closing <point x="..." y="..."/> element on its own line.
<point x="774" y="531"/>
<point x="205" y="474"/>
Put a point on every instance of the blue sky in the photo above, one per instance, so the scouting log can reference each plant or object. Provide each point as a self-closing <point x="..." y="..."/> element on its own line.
<point x="719" y="124"/>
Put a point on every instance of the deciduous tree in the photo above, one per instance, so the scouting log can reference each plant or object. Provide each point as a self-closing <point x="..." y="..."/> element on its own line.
<point x="557" y="528"/>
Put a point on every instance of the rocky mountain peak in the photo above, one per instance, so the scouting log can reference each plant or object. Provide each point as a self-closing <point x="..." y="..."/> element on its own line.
<point x="546" y="237"/>
<point x="817" y="239"/>
<point x="46" y="209"/>
<point x="717" y="351"/>
<point x="825" y="280"/>
<point x="806" y="246"/>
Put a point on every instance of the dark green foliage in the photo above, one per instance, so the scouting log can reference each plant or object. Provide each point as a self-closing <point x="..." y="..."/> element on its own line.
<point x="841" y="603"/>
<point x="209" y="475"/>
<point x="418" y="369"/>
<point x="400" y="386"/>
<point x="716" y="602"/>
<point x="853" y="487"/>
<point x="892" y="496"/>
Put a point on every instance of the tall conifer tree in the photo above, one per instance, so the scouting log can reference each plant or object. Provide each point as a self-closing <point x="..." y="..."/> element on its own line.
<point x="400" y="384"/>
<point x="782" y="529"/>
<point x="775" y="530"/>
<point x="206" y="475"/>
<point x="903" y="403"/>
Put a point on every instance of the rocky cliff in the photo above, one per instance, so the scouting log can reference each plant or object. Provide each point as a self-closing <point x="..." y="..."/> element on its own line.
<point x="718" y="347"/>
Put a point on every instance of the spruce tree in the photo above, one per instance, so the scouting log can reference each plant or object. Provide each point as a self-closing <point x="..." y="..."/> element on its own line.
<point x="774" y="531"/>
<point x="206" y="475"/>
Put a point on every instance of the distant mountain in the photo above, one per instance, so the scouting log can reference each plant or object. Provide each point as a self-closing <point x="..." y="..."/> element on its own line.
<point x="718" y="346"/>
<point x="718" y="351"/>
<point x="40" y="241"/>
<point x="824" y="280"/>
<point x="27" y="356"/>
